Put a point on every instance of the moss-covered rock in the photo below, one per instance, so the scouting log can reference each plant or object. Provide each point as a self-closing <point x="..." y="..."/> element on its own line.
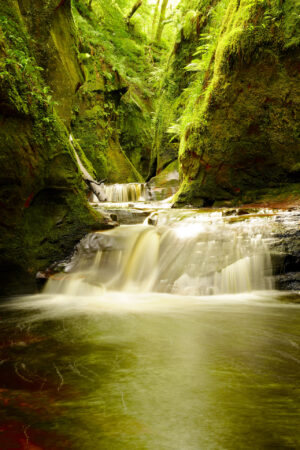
<point x="94" y="125"/>
<point x="54" y="43"/>
<point x="166" y="182"/>
<point x="44" y="210"/>
<point x="179" y="81"/>
<point x="242" y="133"/>
<point x="111" y="120"/>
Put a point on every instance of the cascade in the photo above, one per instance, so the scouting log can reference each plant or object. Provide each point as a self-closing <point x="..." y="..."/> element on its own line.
<point x="127" y="192"/>
<point x="147" y="326"/>
<point x="185" y="253"/>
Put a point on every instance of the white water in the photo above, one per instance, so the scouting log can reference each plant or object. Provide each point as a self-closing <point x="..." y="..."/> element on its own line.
<point x="128" y="348"/>
<point x="187" y="253"/>
<point x="127" y="192"/>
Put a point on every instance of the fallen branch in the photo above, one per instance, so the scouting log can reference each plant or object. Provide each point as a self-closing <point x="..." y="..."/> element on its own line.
<point x="101" y="181"/>
<point x="95" y="186"/>
<point x="133" y="10"/>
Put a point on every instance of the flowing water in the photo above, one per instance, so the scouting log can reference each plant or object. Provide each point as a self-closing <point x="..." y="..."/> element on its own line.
<point x="156" y="337"/>
<point x="130" y="192"/>
<point x="133" y="192"/>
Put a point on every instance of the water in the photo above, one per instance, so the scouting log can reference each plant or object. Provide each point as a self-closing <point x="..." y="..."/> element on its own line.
<point x="133" y="192"/>
<point x="185" y="253"/>
<point x="130" y="192"/>
<point x="156" y="337"/>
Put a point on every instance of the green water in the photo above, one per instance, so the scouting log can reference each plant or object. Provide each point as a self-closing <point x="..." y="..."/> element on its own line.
<point x="163" y="373"/>
<point x="161" y="338"/>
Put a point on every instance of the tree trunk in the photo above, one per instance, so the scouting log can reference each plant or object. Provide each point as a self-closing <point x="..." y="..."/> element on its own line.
<point x="155" y="20"/>
<point x="95" y="186"/>
<point x="162" y="17"/>
<point x="134" y="9"/>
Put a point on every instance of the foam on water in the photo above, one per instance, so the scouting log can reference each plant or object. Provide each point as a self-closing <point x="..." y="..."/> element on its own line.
<point x="187" y="253"/>
<point x="122" y="193"/>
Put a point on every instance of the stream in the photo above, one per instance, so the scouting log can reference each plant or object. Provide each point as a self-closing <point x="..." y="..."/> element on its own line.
<point x="166" y="332"/>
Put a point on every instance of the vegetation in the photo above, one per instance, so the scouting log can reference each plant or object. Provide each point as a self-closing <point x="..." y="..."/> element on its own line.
<point x="233" y="139"/>
<point x="140" y="85"/>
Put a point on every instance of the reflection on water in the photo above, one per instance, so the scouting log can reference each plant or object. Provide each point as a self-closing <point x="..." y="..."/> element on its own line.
<point x="128" y="349"/>
<point x="151" y="372"/>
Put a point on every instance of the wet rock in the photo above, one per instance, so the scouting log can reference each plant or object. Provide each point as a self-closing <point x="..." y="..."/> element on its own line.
<point x="114" y="217"/>
<point x="288" y="281"/>
<point x="125" y="216"/>
<point x="42" y="277"/>
<point x="242" y="212"/>
<point x="249" y="161"/>
<point x="286" y="251"/>
<point x="153" y="219"/>
<point x="229" y="212"/>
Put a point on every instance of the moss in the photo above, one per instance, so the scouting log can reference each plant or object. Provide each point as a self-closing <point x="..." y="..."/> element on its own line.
<point x="120" y="168"/>
<point x="167" y="177"/>
<point x="189" y="24"/>
<point x="55" y="213"/>
<point x="94" y="127"/>
<point x="240" y="132"/>
<point x="135" y="125"/>
<point x="44" y="210"/>
<point x="113" y="107"/>
<point x="180" y="86"/>
<point x="53" y="42"/>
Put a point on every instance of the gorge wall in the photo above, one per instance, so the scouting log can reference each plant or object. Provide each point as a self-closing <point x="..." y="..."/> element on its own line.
<point x="44" y="209"/>
<point x="65" y="68"/>
<point x="232" y="86"/>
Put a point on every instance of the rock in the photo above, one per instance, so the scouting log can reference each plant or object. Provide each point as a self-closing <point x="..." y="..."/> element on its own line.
<point x="235" y="145"/>
<point x="288" y="281"/>
<point x="44" y="209"/>
<point x="229" y="212"/>
<point x="42" y="277"/>
<point x="242" y="212"/>
<point x="114" y="217"/>
<point x="125" y="216"/>
<point x="285" y="247"/>
<point x="153" y="219"/>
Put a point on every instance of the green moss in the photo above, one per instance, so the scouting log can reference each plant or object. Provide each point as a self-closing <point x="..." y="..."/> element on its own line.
<point x="114" y="104"/>
<point x="181" y="85"/>
<point x="189" y="24"/>
<point x="44" y="210"/>
<point x="120" y="168"/>
<point x="167" y="177"/>
<point x="239" y="131"/>
<point x="51" y="214"/>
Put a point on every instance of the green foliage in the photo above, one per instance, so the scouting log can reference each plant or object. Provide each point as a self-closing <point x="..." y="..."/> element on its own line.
<point x="115" y="102"/>
<point x="20" y="75"/>
<point x="105" y="35"/>
<point x="222" y="128"/>
<point x="189" y="24"/>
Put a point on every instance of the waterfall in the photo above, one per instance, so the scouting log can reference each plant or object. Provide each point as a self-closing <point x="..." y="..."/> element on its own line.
<point x="127" y="192"/>
<point x="185" y="254"/>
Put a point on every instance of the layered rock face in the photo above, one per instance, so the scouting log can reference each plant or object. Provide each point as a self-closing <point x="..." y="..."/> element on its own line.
<point x="44" y="210"/>
<point x="240" y="132"/>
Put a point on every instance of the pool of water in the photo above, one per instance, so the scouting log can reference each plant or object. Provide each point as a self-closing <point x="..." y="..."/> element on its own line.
<point x="150" y="371"/>
<point x="166" y="337"/>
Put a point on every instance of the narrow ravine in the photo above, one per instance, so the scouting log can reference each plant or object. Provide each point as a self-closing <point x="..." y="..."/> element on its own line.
<point x="149" y="225"/>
